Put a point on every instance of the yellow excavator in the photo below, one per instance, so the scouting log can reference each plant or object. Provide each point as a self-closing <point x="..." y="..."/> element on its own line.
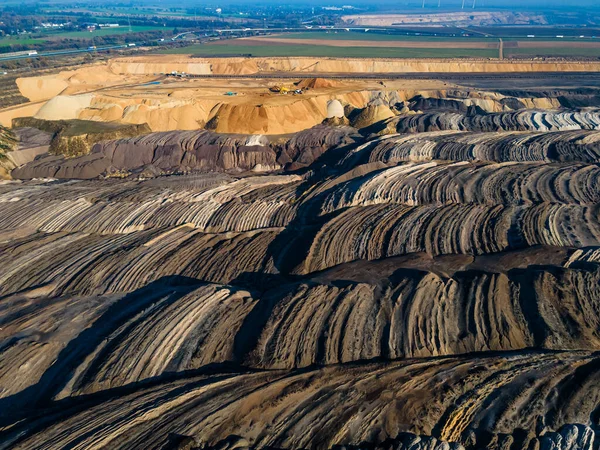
<point x="279" y="89"/>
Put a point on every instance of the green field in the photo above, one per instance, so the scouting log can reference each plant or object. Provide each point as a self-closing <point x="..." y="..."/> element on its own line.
<point x="555" y="51"/>
<point x="539" y="31"/>
<point x="326" y="51"/>
<point x="130" y="11"/>
<point x="362" y="36"/>
<point x="14" y="40"/>
<point x="378" y="37"/>
<point x="105" y="32"/>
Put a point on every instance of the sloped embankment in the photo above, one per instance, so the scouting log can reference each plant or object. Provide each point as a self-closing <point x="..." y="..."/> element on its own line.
<point x="244" y="66"/>
<point x="435" y="289"/>
<point x="71" y="138"/>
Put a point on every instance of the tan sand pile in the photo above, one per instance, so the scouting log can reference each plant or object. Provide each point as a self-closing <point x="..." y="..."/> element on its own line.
<point x="543" y="103"/>
<point x="177" y="116"/>
<point x="171" y="110"/>
<point x="317" y="83"/>
<point x="64" y="107"/>
<point x="44" y="87"/>
<point x="270" y="119"/>
<point x="335" y="109"/>
<point x="95" y="75"/>
<point x="71" y="82"/>
<point x="160" y="114"/>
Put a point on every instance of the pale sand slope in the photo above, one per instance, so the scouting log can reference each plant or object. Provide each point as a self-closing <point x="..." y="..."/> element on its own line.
<point x="280" y="115"/>
<point x="25" y="110"/>
<point x="43" y="87"/>
<point x="68" y="82"/>
<point x="250" y="113"/>
<point x="118" y="91"/>
<point x="189" y="109"/>
<point x="239" y="66"/>
<point x="64" y="107"/>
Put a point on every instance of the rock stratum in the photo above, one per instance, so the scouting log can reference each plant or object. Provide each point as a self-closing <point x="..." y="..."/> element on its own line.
<point x="139" y="91"/>
<point x="8" y="143"/>
<point x="430" y="281"/>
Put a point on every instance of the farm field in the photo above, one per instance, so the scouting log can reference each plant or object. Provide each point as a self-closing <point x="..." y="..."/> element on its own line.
<point x="236" y="48"/>
<point x="105" y="32"/>
<point x="441" y="37"/>
<point x="360" y="44"/>
<point x="43" y="38"/>
<point x="375" y="37"/>
<point x="445" y="44"/>
<point x="554" y="51"/>
<point x="132" y="11"/>
<point x="498" y="31"/>
<point x="538" y="31"/>
<point x="10" y="40"/>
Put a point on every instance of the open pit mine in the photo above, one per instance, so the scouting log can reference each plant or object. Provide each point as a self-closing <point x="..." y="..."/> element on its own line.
<point x="348" y="263"/>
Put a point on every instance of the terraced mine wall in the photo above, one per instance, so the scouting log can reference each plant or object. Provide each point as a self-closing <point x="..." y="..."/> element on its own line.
<point x="76" y="137"/>
<point x="431" y="290"/>
<point x="192" y="151"/>
<point x="247" y="66"/>
<point x="433" y="135"/>
<point x="8" y="143"/>
<point x="290" y="115"/>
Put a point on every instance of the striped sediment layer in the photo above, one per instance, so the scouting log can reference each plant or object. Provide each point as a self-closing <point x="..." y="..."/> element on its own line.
<point x="424" y="290"/>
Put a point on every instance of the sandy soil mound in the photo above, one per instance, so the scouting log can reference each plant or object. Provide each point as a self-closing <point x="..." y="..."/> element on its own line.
<point x="43" y="87"/>
<point x="279" y="118"/>
<point x="64" y="107"/>
<point x="67" y="82"/>
<point x="317" y="83"/>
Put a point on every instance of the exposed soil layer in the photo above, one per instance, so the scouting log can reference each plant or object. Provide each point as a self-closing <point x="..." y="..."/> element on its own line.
<point x="136" y="91"/>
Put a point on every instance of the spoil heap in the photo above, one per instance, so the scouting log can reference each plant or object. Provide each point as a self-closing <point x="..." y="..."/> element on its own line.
<point x="316" y="83"/>
<point x="424" y="290"/>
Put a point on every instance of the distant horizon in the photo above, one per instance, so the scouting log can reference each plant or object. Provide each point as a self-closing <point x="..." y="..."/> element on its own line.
<point x="520" y="5"/>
